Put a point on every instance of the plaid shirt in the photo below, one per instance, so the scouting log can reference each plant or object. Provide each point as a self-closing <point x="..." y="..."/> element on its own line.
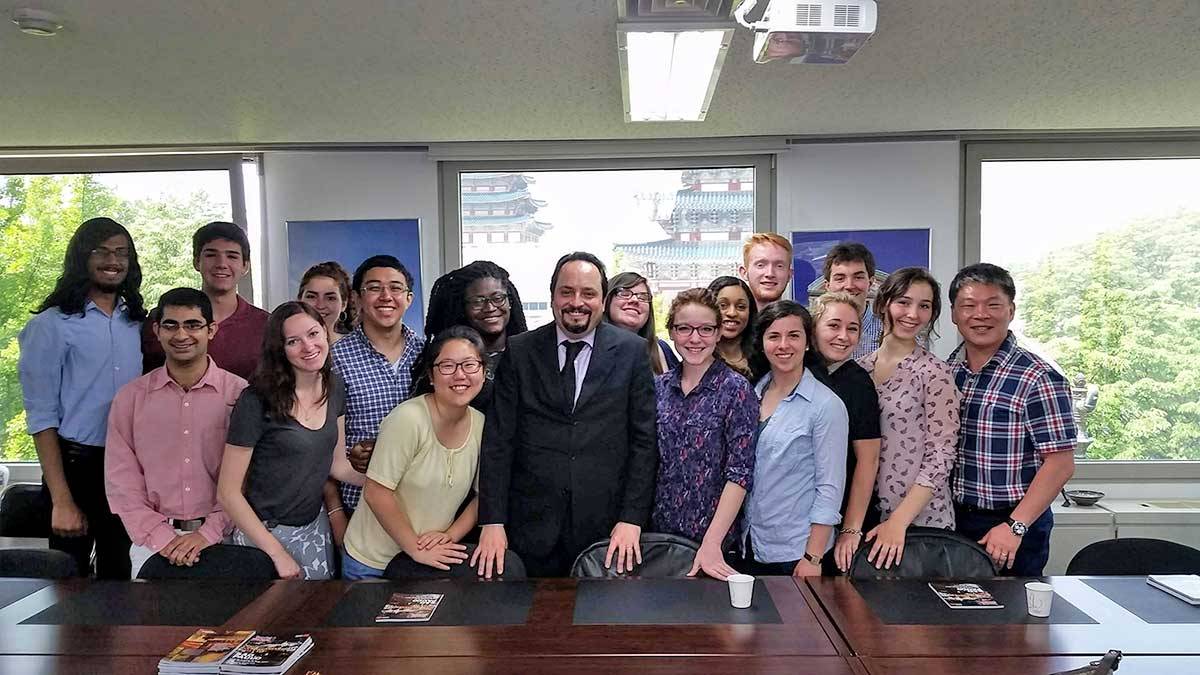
<point x="1014" y="410"/>
<point x="870" y="335"/>
<point x="374" y="386"/>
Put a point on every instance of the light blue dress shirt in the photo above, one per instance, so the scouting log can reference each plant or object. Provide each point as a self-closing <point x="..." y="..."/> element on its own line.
<point x="71" y="367"/>
<point x="799" y="471"/>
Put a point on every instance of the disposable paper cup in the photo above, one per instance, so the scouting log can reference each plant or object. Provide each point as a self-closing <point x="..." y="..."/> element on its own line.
<point x="1038" y="596"/>
<point x="741" y="590"/>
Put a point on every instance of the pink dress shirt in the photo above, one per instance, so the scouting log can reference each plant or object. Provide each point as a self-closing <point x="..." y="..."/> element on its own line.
<point x="919" y="407"/>
<point x="163" y="454"/>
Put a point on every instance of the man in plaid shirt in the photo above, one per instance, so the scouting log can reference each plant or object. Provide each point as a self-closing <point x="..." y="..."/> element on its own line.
<point x="1016" y="443"/>
<point x="375" y="359"/>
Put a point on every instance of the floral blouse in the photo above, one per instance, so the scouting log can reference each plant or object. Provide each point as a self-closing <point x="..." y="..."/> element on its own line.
<point x="705" y="439"/>
<point x="919" y="408"/>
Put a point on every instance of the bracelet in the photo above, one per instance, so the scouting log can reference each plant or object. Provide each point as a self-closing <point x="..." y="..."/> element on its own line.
<point x="849" y="530"/>
<point x="333" y="511"/>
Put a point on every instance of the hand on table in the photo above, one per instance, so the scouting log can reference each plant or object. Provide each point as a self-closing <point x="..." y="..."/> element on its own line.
<point x="806" y="569"/>
<point x="710" y="561"/>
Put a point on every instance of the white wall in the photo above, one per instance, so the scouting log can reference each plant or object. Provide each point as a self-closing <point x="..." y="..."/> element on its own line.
<point x="878" y="186"/>
<point x="347" y="186"/>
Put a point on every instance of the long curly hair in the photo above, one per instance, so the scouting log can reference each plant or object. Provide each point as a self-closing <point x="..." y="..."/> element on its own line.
<point x="448" y="299"/>
<point x="274" y="380"/>
<point x="70" y="292"/>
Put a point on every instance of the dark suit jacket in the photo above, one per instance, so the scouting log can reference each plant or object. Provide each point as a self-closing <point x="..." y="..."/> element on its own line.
<point x="538" y="458"/>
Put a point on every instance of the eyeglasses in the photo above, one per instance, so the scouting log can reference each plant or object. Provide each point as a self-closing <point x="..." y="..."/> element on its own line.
<point x="470" y="366"/>
<point x="626" y="294"/>
<point x="684" y="330"/>
<point x="478" y="302"/>
<point x="394" y="289"/>
<point x="103" y="253"/>
<point x="172" y="327"/>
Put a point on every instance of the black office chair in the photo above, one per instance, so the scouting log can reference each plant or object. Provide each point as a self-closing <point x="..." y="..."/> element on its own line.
<point x="663" y="555"/>
<point x="24" y="512"/>
<point x="37" y="564"/>
<point x="929" y="553"/>
<point x="1134" y="556"/>
<point x="403" y="567"/>
<point x="219" y="561"/>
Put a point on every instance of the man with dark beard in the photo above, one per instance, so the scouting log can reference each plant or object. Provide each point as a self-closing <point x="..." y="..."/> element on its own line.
<point x="569" y="449"/>
<point x="79" y="349"/>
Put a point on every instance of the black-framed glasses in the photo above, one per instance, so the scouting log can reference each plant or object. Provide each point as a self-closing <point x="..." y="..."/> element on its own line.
<point x="375" y="288"/>
<point x="470" y="366"/>
<point x="686" y="330"/>
<point x="104" y="253"/>
<point x="478" y="302"/>
<point x="192" y="327"/>
<point x="626" y="294"/>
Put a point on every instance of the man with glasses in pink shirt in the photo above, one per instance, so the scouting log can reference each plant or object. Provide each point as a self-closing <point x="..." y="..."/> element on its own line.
<point x="166" y="437"/>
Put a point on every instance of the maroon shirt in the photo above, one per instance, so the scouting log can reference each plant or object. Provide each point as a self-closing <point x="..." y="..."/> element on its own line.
<point x="237" y="346"/>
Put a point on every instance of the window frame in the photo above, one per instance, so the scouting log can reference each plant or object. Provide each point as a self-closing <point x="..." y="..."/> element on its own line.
<point x="450" y="215"/>
<point x="974" y="154"/>
<point x="231" y="163"/>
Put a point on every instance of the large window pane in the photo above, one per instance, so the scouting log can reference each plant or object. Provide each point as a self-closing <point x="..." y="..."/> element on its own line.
<point x="38" y="215"/>
<point x="1106" y="256"/>
<point x="679" y="228"/>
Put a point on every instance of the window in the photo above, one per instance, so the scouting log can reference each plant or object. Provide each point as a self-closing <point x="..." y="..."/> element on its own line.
<point x="42" y="202"/>
<point x="1103" y="241"/>
<point x="643" y="216"/>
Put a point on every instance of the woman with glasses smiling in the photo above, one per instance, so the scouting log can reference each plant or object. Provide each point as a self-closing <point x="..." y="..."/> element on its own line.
<point x="479" y="296"/>
<point x="425" y="464"/>
<point x="630" y="306"/>
<point x="706" y="420"/>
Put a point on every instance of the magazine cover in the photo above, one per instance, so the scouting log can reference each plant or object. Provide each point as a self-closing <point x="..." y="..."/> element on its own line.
<point x="205" y="646"/>
<point x="409" y="607"/>
<point x="267" y="651"/>
<point x="965" y="596"/>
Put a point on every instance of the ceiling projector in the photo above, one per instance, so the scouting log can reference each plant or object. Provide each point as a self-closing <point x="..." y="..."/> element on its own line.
<point x="810" y="31"/>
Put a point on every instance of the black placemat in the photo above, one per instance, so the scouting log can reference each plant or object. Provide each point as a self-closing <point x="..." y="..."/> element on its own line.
<point x="667" y="601"/>
<point x="465" y="602"/>
<point x="915" y="603"/>
<point x="1145" y="601"/>
<point x="12" y="590"/>
<point x="155" y="603"/>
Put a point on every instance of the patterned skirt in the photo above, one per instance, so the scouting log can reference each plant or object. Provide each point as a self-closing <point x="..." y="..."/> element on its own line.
<point x="310" y="545"/>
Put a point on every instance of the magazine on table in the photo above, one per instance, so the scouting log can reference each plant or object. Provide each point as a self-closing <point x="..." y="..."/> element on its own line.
<point x="202" y="652"/>
<point x="965" y="596"/>
<point x="406" y="607"/>
<point x="1186" y="587"/>
<point x="267" y="654"/>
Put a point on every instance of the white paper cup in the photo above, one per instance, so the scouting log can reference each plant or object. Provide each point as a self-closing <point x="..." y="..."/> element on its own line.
<point x="741" y="590"/>
<point x="1038" y="596"/>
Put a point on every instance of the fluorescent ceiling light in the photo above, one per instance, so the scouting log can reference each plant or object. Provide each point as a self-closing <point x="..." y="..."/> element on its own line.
<point x="669" y="76"/>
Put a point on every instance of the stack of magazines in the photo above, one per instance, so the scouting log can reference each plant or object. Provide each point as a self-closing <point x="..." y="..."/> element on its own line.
<point x="244" y="652"/>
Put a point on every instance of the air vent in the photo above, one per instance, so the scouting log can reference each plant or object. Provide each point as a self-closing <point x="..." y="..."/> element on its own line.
<point x="808" y="15"/>
<point x="847" y="16"/>
<point x="666" y="9"/>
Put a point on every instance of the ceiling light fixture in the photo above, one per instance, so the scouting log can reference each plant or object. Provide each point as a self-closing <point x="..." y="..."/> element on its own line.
<point x="37" y="22"/>
<point x="669" y="74"/>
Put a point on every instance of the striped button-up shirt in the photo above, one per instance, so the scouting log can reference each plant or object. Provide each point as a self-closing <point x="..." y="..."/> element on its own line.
<point x="1014" y="410"/>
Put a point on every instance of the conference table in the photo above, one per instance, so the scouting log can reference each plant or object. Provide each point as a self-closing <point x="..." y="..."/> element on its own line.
<point x="821" y="626"/>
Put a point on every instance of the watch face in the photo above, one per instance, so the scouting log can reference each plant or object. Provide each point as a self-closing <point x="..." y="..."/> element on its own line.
<point x="1019" y="528"/>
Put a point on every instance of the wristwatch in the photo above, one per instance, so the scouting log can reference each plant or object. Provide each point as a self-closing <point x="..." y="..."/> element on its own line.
<point x="1018" y="528"/>
<point x="811" y="558"/>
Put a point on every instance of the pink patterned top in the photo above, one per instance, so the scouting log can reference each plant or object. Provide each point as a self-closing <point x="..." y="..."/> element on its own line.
<point x="919" y="408"/>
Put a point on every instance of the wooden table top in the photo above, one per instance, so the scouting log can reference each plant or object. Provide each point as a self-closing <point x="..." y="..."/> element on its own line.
<point x="1115" y="628"/>
<point x="298" y="606"/>
<point x="1028" y="665"/>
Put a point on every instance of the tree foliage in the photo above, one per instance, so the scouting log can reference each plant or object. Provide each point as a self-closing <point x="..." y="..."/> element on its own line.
<point x="38" y="215"/>
<point x="1124" y="310"/>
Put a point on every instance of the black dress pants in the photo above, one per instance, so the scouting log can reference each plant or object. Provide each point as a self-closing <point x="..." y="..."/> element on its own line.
<point x="83" y="467"/>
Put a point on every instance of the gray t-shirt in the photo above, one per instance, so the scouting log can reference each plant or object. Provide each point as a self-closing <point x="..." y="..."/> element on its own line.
<point x="290" y="462"/>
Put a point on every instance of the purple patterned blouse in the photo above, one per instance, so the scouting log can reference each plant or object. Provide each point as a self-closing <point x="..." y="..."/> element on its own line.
<point x="919" y="406"/>
<point x="705" y="439"/>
